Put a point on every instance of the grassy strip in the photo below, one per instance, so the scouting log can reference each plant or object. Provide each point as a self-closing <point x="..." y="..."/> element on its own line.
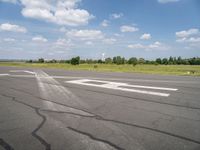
<point x="150" y="69"/>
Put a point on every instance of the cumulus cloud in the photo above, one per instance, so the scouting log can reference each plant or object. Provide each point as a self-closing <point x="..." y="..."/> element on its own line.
<point x="39" y="39"/>
<point x="105" y="23"/>
<point x="63" y="42"/>
<point x="109" y="40"/>
<point x="136" y="46"/>
<point x="187" y="33"/>
<point x="116" y="16"/>
<point x="155" y="46"/>
<point x="126" y="28"/>
<point x="12" y="28"/>
<point x="61" y="12"/>
<point x="145" y="36"/>
<point x="85" y="34"/>
<point x="188" y="36"/>
<point x="167" y="1"/>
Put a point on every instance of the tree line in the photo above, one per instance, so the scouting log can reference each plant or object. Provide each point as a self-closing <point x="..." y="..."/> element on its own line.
<point x="122" y="60"/>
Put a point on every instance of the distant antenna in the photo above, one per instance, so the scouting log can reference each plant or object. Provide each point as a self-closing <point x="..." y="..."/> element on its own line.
<point x="103" y="57"/>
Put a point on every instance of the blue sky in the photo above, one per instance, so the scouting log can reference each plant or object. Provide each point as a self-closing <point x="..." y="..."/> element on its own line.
<point x="61" y="29"/>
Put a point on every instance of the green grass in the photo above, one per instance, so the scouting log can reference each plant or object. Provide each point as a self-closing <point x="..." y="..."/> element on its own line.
<point x="149" y="69"/>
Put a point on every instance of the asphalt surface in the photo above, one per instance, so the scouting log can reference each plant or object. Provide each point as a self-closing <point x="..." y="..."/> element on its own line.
<point x="50" y="109"/>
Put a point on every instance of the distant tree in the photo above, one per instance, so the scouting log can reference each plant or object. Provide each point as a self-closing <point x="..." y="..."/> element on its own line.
<point x="99" y="61"/>
<point x="89" y="61"/>
<point x="114" y="60"/>
<point x="171" y="60"/>
<point x="53" y="61"/>
<point x="133" y="61"/>
<point x="30" y="61"/>
<point x="165" y="61"/>
<point x="119" y="60"/>
<point x="41" y="60"/>
<point x="108" y="60"/>
<point x="179" y="60"/>
<point x="82" y="61"/>
<point x="141" y="61"/>
<point x="75" y="60"/>
<point x="67" y="61"/>
<point x="123" y="60"/>
<point x="159" y="61"/>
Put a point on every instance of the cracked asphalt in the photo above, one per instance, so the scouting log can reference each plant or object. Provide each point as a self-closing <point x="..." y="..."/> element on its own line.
<point x="42" y="111"/>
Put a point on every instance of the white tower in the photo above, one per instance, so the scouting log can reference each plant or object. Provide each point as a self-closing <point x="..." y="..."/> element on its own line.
<point x="103" y="57"/>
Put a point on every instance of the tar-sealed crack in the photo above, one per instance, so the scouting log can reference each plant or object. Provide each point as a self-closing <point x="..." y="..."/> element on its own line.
<point x="97" y="117"/>
<point x="19" y="90"/>
<point x="138" y="99"/>
<point x="34" y="132"/>
<point x="5" y="145"/>
<point x="96" y="139"/>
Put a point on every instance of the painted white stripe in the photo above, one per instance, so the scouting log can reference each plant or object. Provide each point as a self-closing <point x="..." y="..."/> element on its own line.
<point x="29" y="72"/>
<point x="114" y="79"/>
<point x="26" y="71"/>
<point x="151" y="87"/>
<point x="4" y="74"/>
<point x="52" y="90"/>
<point x="116" y="86"/>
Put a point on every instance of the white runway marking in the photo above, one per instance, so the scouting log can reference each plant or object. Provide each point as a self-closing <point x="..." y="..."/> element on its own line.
<point x="52" y="90"/>
<point x="26" y="71"/>
<point x="4" y="74"/>
<point x="122" y="86"/>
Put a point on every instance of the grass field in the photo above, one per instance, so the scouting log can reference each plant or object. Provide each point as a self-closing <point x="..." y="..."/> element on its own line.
<point x="149" y="69"/>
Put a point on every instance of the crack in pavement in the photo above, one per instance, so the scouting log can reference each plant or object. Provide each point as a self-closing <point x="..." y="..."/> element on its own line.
<point x="95" y="138"/>
<point x="34" y="132"/>
<point x="98" y="117"/>
<point x="5" y="145"/>
<point x="43" y="99"/>
<point x="137" y="99"/>
<point x="19" y="90"/>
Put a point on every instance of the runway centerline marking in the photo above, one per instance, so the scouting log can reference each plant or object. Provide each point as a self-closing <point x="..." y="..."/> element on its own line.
<point x="26" y="71"/>
<point x="4" y="74"/>
<point x="122" y="86"/>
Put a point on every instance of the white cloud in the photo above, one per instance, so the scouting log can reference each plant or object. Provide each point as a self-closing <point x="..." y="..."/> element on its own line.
<point x="145" y="36"/>
<point x="9" y="40"/>
<point x="109" y="41"/>
<point x="155" y="46"/>
<point x="191" y="36"/>
<point x="9" y="1"/>
<point x="167" y="1"/>
<point x="192" y="39"/>
<point x="60" y="12"/>
<point x="187" y="33"/>
<point x="136" y="46"/>
<point x="63" y="42"/>
<point x="12" y="28"/>
<point x="105" y="23"/>
<point x="116" y="16"/>
<point x="126" y="28"/>
<point x="85" y="34"/>
<point x="39" y="39"/>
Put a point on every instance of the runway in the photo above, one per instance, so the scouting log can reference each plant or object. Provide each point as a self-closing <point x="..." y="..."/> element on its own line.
<point x="54" y="109"/>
